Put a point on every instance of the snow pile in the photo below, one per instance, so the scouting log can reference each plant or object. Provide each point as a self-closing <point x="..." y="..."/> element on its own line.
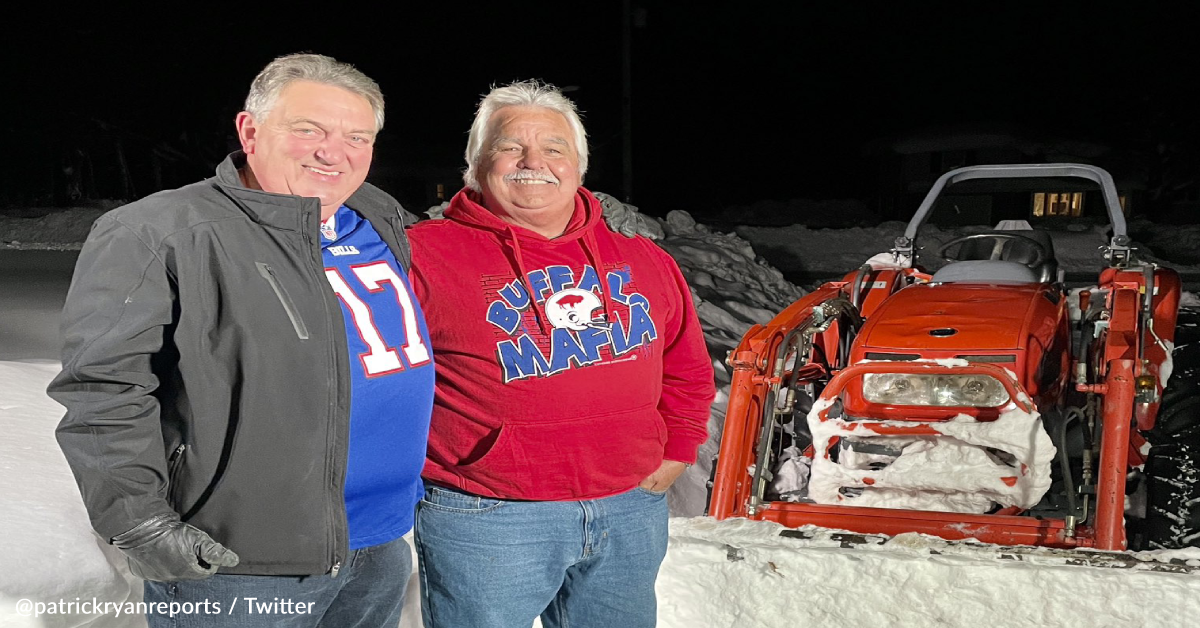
<point x="51" y="552"/>
<point x="952" y="473"/>
<point x="1178" y="243"/>
<point x="733" y="288"/>
<point x="742" y="573"/>
<point x="830" y="251"/>
<point x="816" y="213"/>
<point x="61" y="229"/>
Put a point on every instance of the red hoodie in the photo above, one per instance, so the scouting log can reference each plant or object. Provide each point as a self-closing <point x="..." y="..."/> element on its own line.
<point x="579" y="395"/>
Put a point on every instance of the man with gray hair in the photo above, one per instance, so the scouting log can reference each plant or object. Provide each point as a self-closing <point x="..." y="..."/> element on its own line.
<point x="573" y="386"/>
<point x="247" y="376"/>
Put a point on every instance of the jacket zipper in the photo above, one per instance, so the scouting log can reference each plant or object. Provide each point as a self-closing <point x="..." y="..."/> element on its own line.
<point x="331" y="433"/>
<point x="174" y="463"/>
<point x="175" y="460"/>
<point x="268" y="273"/>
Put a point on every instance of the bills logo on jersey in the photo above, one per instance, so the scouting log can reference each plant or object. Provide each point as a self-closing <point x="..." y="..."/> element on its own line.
<point x="579" y="334"/>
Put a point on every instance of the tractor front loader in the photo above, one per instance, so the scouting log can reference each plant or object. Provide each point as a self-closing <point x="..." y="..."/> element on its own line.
<point x="982" y="401"/>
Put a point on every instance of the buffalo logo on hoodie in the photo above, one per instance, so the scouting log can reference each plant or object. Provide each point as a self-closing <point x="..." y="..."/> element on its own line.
<point x="570" y="324"/>
<point x="575" y="309"/>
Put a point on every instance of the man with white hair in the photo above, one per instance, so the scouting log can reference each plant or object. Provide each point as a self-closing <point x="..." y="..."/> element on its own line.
<point x="573" y="386"/>
<point x="247" y="377"/>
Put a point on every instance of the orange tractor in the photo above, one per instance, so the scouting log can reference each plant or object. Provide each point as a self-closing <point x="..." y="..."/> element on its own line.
<point x="976" y="402"/>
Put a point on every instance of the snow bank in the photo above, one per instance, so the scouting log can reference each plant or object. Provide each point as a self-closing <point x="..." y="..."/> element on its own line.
<point x="60" y="229"/>
<point x="733" y="288"/>
<point x="1179" y="243"/>
<point x="50" y="552"/>
<point x="836" y="213"/>
<point x="738" y="573"/>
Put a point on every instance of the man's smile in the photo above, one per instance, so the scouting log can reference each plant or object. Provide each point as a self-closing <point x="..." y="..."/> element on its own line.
<point x="322" y="172"/>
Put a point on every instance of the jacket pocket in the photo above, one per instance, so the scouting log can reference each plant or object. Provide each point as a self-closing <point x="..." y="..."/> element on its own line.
<point x="268" y="273"/>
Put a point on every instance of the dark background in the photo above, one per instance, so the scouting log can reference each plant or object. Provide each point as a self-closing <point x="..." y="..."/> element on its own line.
<point x="731" y="104"/>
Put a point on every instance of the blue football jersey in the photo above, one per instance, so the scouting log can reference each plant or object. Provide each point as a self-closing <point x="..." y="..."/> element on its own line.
<point x="392" y="376"/>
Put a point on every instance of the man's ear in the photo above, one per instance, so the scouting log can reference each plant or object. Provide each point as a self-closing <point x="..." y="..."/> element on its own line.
<point x="247" y="130"/>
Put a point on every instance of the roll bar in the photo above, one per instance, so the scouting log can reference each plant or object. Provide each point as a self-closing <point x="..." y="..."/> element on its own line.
<point x="1117" y="253"/>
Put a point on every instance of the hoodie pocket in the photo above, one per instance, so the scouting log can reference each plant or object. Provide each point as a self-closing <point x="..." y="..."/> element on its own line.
<point x="268" y="273"/>
<point x="586" y="456"/>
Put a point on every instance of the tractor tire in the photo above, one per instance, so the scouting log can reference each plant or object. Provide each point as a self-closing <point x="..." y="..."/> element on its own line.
<point x="1172" y="469"/>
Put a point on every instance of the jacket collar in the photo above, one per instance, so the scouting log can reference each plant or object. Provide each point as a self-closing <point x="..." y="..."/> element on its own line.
<point x="287" y="211"/>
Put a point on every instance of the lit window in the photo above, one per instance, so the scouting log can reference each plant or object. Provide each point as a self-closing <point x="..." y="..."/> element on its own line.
<point x="1057" y="204"/>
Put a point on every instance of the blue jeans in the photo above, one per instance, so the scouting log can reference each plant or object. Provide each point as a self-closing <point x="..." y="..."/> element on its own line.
<point x="491" y="563"/>
<point x="368" y="592"/>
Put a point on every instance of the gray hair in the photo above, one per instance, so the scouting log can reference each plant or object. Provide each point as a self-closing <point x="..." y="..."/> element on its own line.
<point x="531" y="93"/>
<point x="265" y="89"/>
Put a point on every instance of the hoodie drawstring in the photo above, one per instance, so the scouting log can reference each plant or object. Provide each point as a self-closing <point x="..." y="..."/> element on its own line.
<point x="590" y="249"/>
<point x="538" y="313"/>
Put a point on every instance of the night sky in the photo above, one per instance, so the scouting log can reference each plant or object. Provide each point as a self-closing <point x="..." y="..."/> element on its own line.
<point x="730" y="105"/>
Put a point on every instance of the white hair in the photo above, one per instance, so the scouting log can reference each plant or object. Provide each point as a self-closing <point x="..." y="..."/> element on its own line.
<point x="531" y="93"/>
<point x="278" y="74"/>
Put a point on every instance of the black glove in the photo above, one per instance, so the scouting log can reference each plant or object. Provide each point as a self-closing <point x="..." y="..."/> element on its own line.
<point x="165" y="549"/>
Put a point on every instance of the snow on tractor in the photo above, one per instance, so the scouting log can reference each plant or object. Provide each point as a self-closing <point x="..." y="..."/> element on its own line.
<point x="976" y="402"/>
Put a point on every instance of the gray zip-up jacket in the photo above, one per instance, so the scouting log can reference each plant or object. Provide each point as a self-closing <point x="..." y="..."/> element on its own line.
<point x="205" y="370"/>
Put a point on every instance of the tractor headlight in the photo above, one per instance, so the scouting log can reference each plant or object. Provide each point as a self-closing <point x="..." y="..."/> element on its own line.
<point x="903" y="389"/>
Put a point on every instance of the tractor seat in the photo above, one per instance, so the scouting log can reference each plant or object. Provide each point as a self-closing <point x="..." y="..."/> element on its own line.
<point x="985" y="270"/>
<point x="1015" y="251"/>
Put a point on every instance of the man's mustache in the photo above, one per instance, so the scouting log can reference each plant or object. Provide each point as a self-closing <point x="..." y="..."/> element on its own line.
<point x="535" y="175"/>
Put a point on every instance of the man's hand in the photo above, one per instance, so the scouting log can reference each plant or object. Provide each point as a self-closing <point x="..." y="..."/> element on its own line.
<point x="664" y="477"/>
<point x="165" y="549"/>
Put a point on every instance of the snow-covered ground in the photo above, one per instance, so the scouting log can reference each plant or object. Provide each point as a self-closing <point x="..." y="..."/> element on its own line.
<point x="739" y="573"/>
<point x="732" y="573"/>
<point x="50" y="550"/>
<point x="717" y="574"/>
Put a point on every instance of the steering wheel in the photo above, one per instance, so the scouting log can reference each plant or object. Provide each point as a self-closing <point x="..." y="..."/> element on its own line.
<point x="1040" y="254"/>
